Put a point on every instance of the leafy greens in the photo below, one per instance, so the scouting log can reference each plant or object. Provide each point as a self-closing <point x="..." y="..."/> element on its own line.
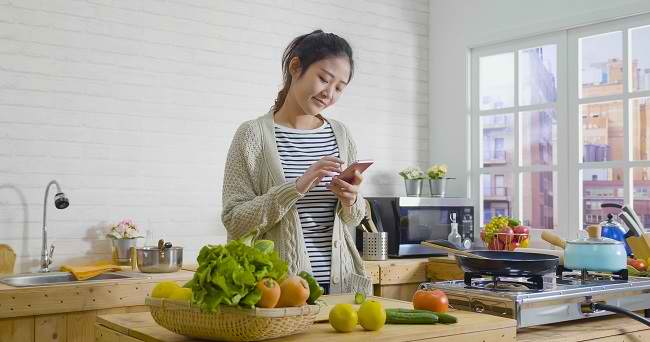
<point x="228" y="274"/>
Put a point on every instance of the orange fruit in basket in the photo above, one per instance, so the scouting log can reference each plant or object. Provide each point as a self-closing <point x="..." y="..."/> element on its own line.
<point x="270" y="293"/>
<point x="294" y="291"/>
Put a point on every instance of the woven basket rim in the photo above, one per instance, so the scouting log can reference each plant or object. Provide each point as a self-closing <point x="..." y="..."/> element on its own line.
<point x="173" y="304"/>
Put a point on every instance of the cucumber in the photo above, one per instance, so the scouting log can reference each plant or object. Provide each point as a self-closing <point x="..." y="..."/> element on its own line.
<point x="407" y="316"/>
<point x="446" y="318"/>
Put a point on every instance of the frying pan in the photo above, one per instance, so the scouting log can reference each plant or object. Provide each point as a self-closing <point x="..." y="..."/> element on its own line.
<point x="504" y="263"/>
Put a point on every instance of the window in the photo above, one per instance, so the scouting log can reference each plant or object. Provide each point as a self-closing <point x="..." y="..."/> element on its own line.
<point x="609" y="108"/>
<point x="516" y="110"/>
<point x="562" y="125"/>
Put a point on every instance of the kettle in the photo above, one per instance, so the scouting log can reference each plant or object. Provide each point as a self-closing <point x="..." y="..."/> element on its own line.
<point x="613" y="230"/>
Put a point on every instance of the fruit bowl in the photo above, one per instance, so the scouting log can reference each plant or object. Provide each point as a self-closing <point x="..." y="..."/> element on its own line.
<point x="230" y="323"/>
<point x="507" y="241"/>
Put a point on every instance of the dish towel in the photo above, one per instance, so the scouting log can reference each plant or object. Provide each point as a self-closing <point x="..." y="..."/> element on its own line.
<point x="87" y="272"/>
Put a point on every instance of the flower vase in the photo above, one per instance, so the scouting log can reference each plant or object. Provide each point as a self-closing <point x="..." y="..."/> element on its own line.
<point x="413" y="187"/>
<point x="122" y="249"/>
<point x="437" y="187"/>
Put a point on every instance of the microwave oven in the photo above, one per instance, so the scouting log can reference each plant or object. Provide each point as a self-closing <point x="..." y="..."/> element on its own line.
<point x="411" y="220"/>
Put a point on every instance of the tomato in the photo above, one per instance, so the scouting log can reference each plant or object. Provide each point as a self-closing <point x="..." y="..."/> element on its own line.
<point x="270" y="293"/>
<point x="639" y="264"/>
<point x="432" y="300"/>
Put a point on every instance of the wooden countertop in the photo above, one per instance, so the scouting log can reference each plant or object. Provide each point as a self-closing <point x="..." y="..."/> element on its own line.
<point x="470" y="326"/>
<point x="81" y="296"/>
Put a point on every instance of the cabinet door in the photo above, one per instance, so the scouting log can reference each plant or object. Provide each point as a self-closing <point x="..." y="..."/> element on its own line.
<point x="17" y="329"/>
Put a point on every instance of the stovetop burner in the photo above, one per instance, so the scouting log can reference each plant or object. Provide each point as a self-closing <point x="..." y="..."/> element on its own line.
<point x="504" y="284"/>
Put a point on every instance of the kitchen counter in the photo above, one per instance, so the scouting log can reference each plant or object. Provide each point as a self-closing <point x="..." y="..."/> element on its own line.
<point x="81" y="296"/>
<point x="470" y="326"/>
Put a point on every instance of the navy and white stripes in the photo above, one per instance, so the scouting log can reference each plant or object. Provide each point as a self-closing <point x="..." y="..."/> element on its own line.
<point x="299" y="149"/>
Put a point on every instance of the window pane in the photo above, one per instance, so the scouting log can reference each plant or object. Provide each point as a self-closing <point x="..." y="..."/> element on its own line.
<point x="600" y="186"/>
<point x="640" y="58"/>
<point x="538" y="137"/>
<point x="497" y="81"/>
<point x="601" y="64"/>
<point x="497" y="139"/>
<point x="602" y="131"/>
<point x="496" y="195"/>
<point x="640" y="109"/>
<point x="538" y="75"/>
<point x="642" y="194"/>
<point x="539" y="200"/>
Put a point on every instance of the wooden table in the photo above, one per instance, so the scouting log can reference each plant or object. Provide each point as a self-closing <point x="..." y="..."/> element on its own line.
<point x="471" y="327"/>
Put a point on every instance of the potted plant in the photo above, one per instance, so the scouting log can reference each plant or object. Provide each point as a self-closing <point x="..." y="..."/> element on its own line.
<point x="413" y="177"/>
<point x="437" y="180"/>
<point x="123" y="235"/>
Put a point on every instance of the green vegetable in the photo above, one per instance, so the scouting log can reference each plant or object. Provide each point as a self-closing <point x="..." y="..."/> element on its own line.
<point x="264" y="246"/>
<point x="315" y="290"/>
<point x="408" y="316"/>
<point x="446" y="318"/>
<point x="513" y="222"/>
<point x="359" y="297"/>
<point x="228" y="274"/>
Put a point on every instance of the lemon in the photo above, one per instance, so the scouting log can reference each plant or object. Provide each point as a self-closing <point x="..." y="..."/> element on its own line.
<point x="164" y="289"/>
<point x="372" y="315"/>
<point x="524" y="243"/>
<point x="181" y="293"/>
<point x="343" y="318"/>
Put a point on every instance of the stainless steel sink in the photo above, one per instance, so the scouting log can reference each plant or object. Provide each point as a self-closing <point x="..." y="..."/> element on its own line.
<point x="57" y="278"/>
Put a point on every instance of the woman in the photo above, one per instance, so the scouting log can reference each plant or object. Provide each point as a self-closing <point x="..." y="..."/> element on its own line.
<point x="280" y="175"/>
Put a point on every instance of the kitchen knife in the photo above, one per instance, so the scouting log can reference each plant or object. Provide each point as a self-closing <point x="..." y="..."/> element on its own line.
<point x="635" y="217"/>
<point x="633" y="228"/>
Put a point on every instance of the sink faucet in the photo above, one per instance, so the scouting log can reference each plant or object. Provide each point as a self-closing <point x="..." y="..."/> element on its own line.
<point x="60" y="202"/>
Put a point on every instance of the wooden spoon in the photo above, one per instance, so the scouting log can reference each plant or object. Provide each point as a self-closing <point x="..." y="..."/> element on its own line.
<point x="442" y="245"/>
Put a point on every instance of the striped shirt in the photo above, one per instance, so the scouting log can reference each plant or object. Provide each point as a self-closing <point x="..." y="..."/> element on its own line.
<point x="299" y="149"/>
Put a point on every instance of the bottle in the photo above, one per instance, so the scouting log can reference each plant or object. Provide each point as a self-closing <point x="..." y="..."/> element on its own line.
<point x="149" y="241"/>
<point x="454" y="237"/>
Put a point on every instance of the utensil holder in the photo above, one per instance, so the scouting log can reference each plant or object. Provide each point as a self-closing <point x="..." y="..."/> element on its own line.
<point x="375" y="246"/>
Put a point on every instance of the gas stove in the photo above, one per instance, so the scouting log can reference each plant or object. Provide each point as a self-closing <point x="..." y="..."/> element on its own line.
<point x="546" y="299"/>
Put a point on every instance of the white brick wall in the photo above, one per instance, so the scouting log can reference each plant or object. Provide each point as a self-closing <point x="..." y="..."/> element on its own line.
<point x="131" y="106"/>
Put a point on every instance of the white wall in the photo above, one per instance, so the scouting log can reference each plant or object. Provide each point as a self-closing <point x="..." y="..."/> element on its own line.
<point x="131" y="106"/>
<point x="456" y="26"/>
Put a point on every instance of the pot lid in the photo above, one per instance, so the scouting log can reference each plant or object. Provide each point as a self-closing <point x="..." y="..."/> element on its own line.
<point x="594" y="238"/>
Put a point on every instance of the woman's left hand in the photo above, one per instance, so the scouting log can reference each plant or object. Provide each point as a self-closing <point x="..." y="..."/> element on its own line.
<point x="344" y="191"/>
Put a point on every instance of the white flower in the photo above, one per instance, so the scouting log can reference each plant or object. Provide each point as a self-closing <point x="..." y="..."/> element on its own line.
<point x="412" y="173"/>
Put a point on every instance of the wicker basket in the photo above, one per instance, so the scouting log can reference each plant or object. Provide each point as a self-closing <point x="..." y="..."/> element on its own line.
<point x="231" y="324"/>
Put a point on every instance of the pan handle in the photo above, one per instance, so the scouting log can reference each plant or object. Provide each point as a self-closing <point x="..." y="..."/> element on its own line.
<point x="611" y="205"/>
<point x="553" y="239"/>
<point x="616" y="309"/>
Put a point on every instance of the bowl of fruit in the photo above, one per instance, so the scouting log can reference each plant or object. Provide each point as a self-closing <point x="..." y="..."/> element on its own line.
<point x="504" y="233"/>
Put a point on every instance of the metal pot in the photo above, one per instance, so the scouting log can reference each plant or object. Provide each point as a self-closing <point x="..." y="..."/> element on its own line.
<point x="159" y="260"/>
<point x="593" y="253"/>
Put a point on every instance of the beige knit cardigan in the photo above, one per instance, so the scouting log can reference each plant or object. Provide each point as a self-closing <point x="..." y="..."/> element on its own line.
<point x="256" y="196"/>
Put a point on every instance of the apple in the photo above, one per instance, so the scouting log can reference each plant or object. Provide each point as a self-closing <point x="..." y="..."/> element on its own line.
<point x="505" y="235"/>
<point x="520" y="230"/>
<point x="520" y="233"/>
<point x="496" y="245"/>
<point x="638" y="264"/>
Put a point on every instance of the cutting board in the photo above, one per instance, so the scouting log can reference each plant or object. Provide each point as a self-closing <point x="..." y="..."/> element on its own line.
<point x="7" y="259"/>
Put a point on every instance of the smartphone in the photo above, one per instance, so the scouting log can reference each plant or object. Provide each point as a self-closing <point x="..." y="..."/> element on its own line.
<point x="359" y="165"/>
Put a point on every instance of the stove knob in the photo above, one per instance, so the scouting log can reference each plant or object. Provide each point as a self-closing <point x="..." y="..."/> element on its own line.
<point x="479" y="308"/>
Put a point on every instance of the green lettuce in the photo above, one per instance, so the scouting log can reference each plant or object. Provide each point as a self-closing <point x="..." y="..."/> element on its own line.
<point x="228" y="274"/>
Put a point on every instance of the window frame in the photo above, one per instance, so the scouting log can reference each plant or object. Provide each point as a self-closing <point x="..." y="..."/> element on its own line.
<point x="576" y="165"/>
<point x="560" y="106"/>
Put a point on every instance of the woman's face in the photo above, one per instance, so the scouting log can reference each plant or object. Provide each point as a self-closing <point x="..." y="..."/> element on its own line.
<point x="321" y="85"/>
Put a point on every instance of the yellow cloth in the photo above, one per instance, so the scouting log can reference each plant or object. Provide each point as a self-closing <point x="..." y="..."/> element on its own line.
<point x="87" y="272"/>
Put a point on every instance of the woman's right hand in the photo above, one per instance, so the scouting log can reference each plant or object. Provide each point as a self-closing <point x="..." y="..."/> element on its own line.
<point x="326" y="166"/>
